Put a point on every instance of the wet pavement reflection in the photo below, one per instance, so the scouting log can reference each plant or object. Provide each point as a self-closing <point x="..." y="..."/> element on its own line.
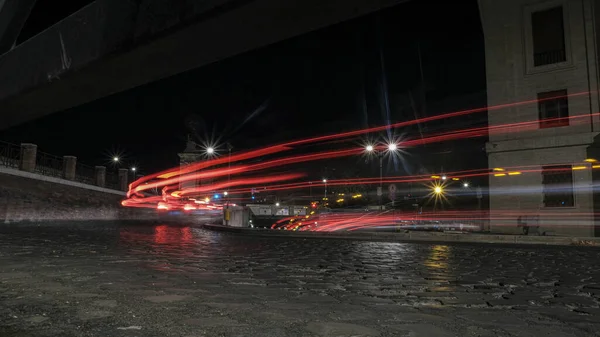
<point x="122" y="280"/>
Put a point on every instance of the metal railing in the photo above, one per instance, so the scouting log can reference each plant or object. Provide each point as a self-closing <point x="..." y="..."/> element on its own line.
<point x="9" y="155"/>
<point x="549" y="57"/>
<point x="85" y="174"/>
<point x="53" y="166"/>
<point x="112" y="181"/>
<point x="49" y="165"/>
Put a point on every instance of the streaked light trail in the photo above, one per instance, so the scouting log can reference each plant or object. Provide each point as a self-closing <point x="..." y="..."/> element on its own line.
<point x="179" y="189"/>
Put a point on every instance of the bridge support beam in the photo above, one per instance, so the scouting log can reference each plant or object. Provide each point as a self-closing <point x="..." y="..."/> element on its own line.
<point x="75" y="61"/>
<point x="69" y="167"/>
<point x="27" y="159"/>
<point x="13" y="14"/>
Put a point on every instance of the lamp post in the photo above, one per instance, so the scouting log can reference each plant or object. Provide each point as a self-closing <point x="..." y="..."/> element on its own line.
<point x="325" y="197"/>
<point x="133" y="169"/>
<point x="438" y="191"/>
<point x="380" y="192"/>
<point x="229" y="148"/>
<point x="227" y="211"/>
<point x="391" y="147"/>
<point x="209" y="152"/>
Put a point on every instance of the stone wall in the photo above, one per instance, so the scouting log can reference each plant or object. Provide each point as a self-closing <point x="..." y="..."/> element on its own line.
<point x="29" y="197"/>
<point x="513" y="77"/>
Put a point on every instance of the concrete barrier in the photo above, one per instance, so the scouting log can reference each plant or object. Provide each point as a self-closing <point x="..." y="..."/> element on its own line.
<point x="31" y="197"/>
<point x="431" y="237"/>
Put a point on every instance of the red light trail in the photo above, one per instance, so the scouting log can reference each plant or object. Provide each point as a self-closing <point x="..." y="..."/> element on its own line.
<point x="460" y="134"/>
<point x="465" y="220"/>
<point x="288" y="146"/>
<point x="176" y="195"/>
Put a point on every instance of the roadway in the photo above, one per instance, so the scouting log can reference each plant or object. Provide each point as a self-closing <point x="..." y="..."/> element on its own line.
<point x="101" y="279"/>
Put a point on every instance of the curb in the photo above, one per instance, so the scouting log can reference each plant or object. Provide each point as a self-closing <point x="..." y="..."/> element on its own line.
<point x="429" y="237"/>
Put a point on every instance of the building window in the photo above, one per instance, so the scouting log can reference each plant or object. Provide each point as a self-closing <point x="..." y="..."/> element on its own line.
<point x="553" y="107"/>
<point x="558" y="186"/>
<point x="548" y="32"/>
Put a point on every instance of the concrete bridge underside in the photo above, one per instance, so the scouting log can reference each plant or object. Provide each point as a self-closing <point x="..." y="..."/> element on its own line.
<point x="114" y="45"/>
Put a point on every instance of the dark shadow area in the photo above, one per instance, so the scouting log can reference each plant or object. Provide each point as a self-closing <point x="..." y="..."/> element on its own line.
<point x="324" y="82"/>
<point x="46" y="13"/>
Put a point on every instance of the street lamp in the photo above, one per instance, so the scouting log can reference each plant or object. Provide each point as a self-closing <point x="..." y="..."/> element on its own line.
<point x="116" y="159"/>
<point x="444" y="177"/>
<point x="277" y="204"/>
<point x="466" y="185"/>
<point x="225" y="193"/>
<point x="325" y="182"/>
<point x="229" y="148"/>
<point x="438" y="193"/>
<point x="391" y="147"/>
<point x="210" y="150"/>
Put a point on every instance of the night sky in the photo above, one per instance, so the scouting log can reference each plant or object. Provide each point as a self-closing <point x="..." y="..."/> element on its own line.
<point x="320" y="83"/>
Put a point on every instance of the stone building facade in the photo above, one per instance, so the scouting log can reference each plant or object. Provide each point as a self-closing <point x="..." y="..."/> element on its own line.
<point x="544" y="53"/>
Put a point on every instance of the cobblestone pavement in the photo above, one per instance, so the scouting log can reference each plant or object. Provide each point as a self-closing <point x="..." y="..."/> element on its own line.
<point x="106" y="280"/>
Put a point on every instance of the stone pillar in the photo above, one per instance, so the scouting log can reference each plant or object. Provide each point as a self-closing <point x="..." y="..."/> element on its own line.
<point x="100" y="172"/>
<point x="69" y="167"/>
<point x="123" y="173"/>
<point x="28" y="157"/>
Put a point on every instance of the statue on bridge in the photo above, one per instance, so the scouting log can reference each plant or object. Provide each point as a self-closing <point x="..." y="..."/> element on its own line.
<point x="191" y="146"/>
